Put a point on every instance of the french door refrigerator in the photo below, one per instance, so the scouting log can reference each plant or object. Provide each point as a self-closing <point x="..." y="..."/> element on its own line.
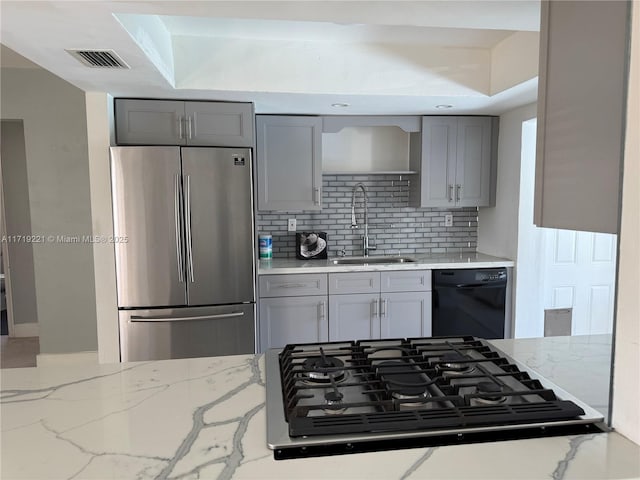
<point x="183" y="224"/>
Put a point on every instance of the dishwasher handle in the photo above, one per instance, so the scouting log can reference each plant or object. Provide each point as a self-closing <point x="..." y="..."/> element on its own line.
<point x="481" y="285"/>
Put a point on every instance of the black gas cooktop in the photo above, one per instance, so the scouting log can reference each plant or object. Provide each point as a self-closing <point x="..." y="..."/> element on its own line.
<point x="342" y="397"/>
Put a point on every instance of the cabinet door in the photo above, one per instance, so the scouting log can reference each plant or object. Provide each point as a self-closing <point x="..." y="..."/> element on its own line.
<point x="289" y="162"/>
<point x="293" y="320"/>
<point x="149" y="122"/>
<point x="437" y="169"/>
<point x="404" y="315"/>
<point x="220" y="124"/>
<point x="473" y="162"/>
<point x="354" y="317"/>
<point x="583" y="50"/>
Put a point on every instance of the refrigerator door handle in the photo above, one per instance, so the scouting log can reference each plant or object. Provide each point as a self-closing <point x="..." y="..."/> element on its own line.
<point x="137" y="318"/>
<point x="178" y="217"/>
<point x="188" y="228"/>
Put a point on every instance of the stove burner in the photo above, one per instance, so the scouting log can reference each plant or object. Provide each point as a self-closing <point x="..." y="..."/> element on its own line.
<point x="333" y="397"/>
<point x="388" y="352"/>
<point x="455" y="364"/>
<point x="404" y="380"/>
<point x="334" y="402"/>
<point x="490" y="393"/>
<point x="321" y="369"/>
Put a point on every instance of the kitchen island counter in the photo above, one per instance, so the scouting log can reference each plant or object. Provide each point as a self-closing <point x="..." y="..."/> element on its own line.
<point x="422" y="262"/>
<point x="205" y="418"/>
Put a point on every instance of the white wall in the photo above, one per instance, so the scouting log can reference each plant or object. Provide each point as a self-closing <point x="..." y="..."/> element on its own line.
<point x="529" y="303"/>
<point x="55" y="127"/>
<point x="18" y="223"/>
<point x="626" y="379"/>
<point x="98" y="133"/>
<point x="497" y="226"/>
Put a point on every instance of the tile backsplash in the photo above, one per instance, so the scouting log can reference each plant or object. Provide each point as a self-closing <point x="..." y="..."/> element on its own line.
<point x="394" y="227"/>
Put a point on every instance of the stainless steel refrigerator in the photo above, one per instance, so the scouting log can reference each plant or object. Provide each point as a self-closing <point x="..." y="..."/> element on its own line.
<point x="184" y="244"/>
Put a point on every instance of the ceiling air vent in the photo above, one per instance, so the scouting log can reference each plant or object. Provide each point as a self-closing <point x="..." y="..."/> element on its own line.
<point x="99" y="58"/>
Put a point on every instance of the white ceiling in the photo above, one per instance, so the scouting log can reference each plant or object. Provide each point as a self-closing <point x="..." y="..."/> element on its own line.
<point x="385" y="57"/>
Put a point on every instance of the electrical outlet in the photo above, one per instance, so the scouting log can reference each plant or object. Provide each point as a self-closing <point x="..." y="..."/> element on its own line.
<point x="292" y="225"/>
<point x="448" y="220"/>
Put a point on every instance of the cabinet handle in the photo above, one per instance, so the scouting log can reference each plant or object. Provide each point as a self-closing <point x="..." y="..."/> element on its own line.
<point x="180" y="131"/>
<point x="191" y="125"/>
<point x="451" y="192"/>
<point x="374" y="304"/>
<point x="320" y="337"/>
<point x="291" y="285"/>
<point x="458" y="188"/>
<point x="383" y="308"/>
<point x="316" y="193"/>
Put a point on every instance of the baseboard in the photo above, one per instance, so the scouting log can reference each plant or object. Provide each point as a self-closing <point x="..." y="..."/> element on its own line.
<point x="77" y="358"/>
<point x="25" y="330"/>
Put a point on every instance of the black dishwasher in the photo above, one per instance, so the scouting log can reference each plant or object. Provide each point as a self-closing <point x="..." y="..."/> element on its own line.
<point x="469" y="302"/>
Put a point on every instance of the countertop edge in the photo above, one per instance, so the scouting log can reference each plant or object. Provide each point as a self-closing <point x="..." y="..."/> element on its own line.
<point x="289" y="266"/>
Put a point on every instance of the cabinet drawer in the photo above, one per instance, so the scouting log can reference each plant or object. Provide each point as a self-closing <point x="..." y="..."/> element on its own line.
<point x="357" y="282"/>
<point x="406" y="281"/>
<point x="292" y="285"/>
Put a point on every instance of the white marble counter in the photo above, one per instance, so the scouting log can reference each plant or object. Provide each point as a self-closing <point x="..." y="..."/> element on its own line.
<point x="423" y="262"/>
<point x="205" y="418"/>
<point x="556" y="359"/>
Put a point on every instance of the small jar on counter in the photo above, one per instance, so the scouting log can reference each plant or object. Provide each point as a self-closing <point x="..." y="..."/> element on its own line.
<point x="265" y="246"/>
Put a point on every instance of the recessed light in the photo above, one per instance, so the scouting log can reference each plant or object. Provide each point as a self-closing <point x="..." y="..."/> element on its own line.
<point x="443" y="106"/>
<point x="339" y="105"/>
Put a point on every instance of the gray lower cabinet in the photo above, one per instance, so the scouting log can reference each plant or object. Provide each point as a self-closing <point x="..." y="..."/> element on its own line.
<point x="406" y="314"/>
<point x="292" y="309"/>
<point x="354" y="317"/>
<point x="173" y="122"/>
<point x="289" y="163"/>
<point x="456" y="158"/>
<point x="372" y="305"/>
<point x="307" y="308"/>
<point x="286" y="320"/>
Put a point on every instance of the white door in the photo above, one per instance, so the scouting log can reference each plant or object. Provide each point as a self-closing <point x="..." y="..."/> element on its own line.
<point x="579" y="273"/>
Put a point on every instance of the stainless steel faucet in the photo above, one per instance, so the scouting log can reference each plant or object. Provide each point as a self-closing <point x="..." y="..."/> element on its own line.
<point x="354" y="224"/>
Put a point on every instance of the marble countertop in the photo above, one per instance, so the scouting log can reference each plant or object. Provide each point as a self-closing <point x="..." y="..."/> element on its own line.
<point x="205" y="418"/>
<point x="422" y="262"/>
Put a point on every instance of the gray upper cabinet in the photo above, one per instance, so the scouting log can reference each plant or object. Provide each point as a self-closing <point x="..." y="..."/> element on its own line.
<point x="149" y="122"/>
<point x="220" y="124"/>
<point x="456" y="158"/>
<point x="581" y="108"/>
<point x="288" y="158"/>
<point x="170" y="122"/>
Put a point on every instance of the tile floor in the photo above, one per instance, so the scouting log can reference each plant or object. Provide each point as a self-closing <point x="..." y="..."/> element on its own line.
<point x="18" y="352"/>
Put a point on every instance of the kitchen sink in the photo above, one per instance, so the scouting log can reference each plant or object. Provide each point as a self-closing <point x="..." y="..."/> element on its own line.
<point x="371" y="260"/>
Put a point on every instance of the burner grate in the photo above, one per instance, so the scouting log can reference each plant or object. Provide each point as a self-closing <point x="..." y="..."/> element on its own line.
<point x="399" y="385"/>
<point x="435" y="419"/>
